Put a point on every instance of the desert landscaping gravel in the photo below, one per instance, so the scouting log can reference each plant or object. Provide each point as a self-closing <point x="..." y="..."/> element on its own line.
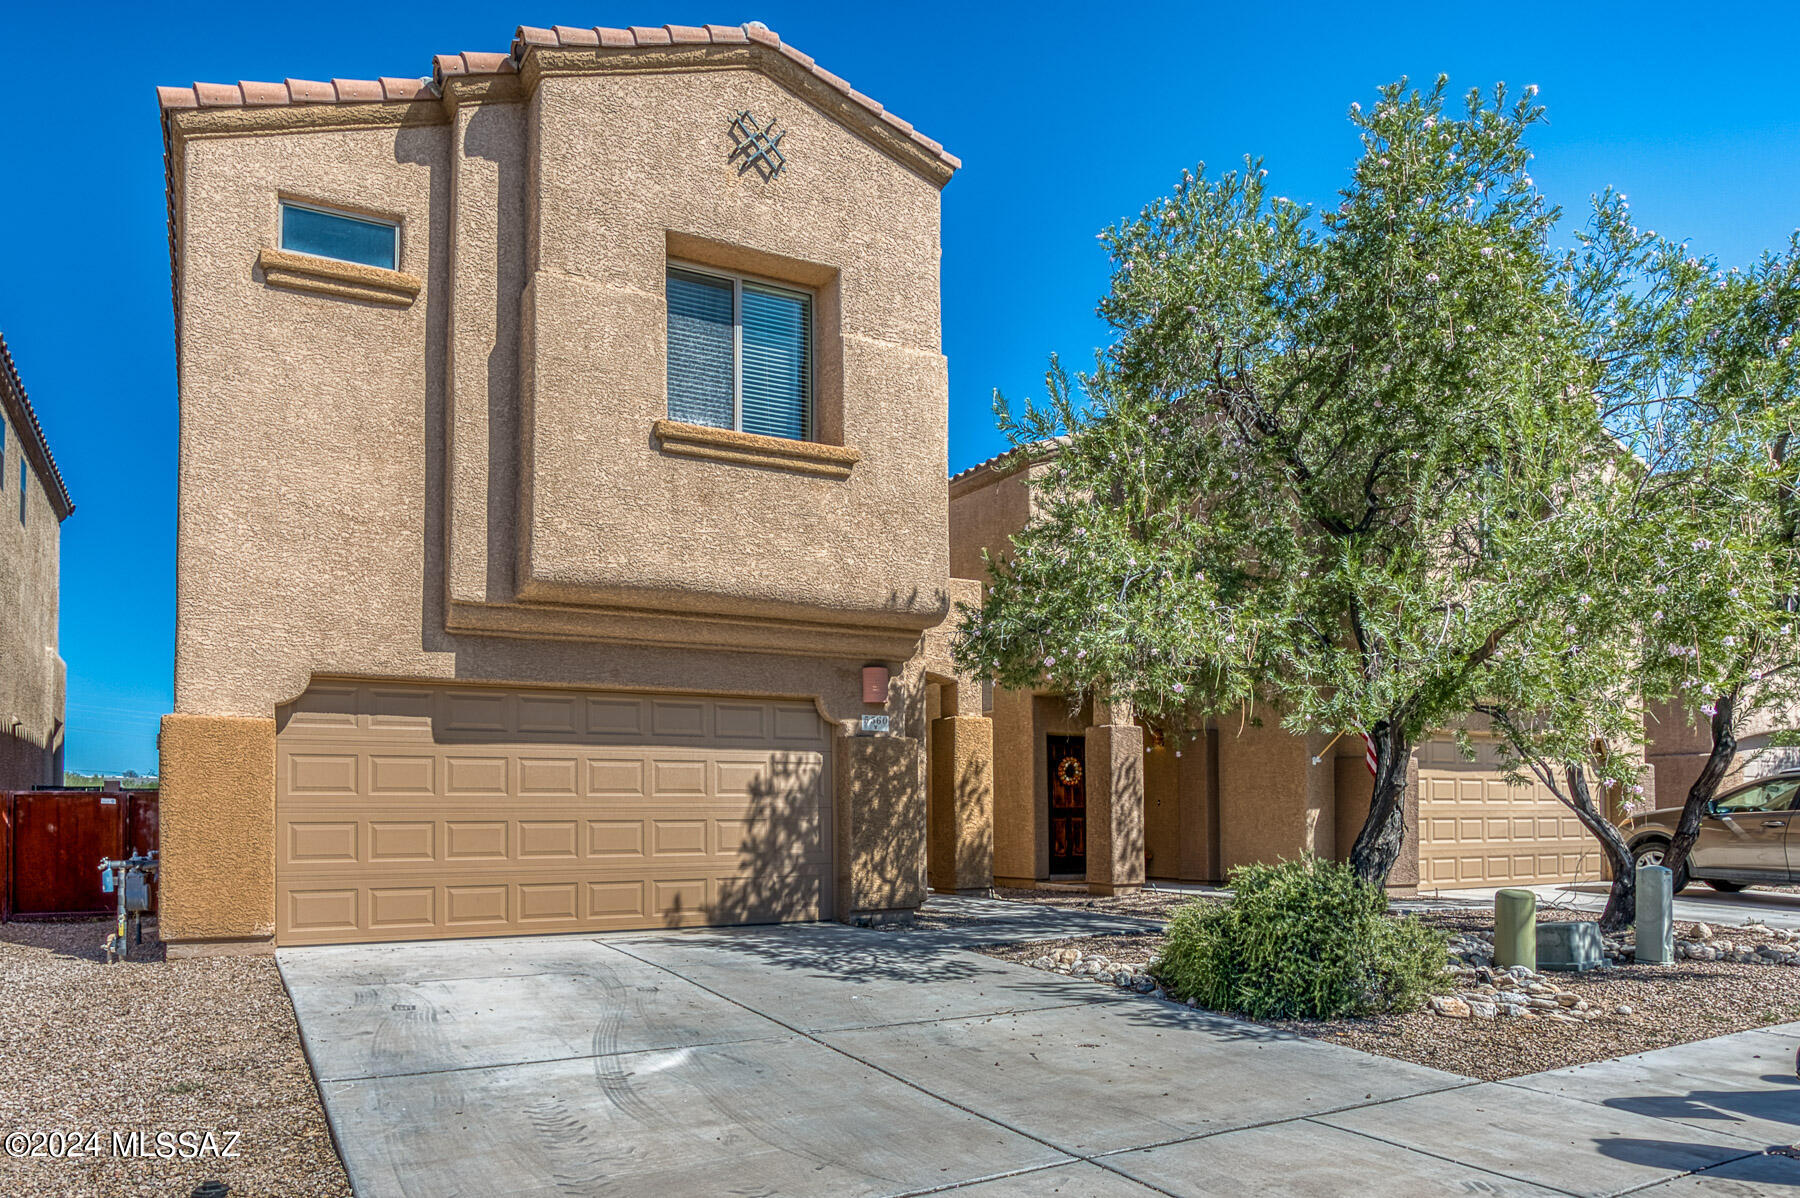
<point x="1668" y="1004"/>
<point x="150" y="1045"/>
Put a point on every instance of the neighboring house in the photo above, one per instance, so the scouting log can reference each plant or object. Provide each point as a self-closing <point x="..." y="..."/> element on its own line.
<point x="561" y="510"/>
<point x="1074" y="802"/>
<point x="33" y="504"/>
<point x="1678" y="745"/>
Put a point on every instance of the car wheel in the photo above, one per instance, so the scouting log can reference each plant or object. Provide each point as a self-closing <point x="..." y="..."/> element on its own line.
<point x="1726" y="887"/>
<point x="1652" y="852"/>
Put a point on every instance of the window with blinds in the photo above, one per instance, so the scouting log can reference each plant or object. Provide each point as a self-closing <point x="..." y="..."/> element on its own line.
<point x="740" y="354"/>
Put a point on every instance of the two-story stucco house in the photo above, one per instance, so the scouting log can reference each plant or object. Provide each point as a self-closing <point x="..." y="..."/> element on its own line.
<point x="33" y="504"/>
<point x="561" y="510"/>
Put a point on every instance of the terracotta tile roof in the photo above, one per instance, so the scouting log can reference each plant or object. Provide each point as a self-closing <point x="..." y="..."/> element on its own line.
<point x="31" y="433"/>
<point x="246" y="94"/>
<point x="1013" y="458"/>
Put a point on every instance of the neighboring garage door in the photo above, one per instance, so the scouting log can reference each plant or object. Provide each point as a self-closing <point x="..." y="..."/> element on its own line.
<point x="1475" y="830"/>
<point x="409" y="813"/>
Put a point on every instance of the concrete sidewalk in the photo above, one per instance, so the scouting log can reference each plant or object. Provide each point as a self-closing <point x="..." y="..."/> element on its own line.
<point x="825" y="1060"/>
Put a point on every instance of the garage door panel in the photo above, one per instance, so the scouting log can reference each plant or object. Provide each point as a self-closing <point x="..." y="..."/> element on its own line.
<point x="470" y="905"/>
<point x="385" y="837"/>
<point x="409" y="908"/>
<point x="409" y="840"/>
<point x="614" y="777"/>
<point x="683" y="719"/>
<point x="1475" y="830"/>
<point x="322" y="774"/>
<point x="616" y="717"/>
<point x="402" y="774"/>
<point x="674" y="776"/>
<point x="488" y="776"/>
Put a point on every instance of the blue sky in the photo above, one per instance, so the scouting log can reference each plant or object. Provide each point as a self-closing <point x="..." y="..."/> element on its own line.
<point x="1067" y="119"/>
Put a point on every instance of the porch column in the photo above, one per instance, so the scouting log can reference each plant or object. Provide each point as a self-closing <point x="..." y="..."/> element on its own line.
<point x="962" y="804"/>
<point x="1115" y="800"/>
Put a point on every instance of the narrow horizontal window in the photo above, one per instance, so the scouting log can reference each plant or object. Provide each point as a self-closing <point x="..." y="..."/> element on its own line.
<point x="740" y="355"/>
<point x="336" y="235"/>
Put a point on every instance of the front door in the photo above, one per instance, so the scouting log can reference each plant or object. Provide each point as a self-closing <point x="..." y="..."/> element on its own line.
<point x="1745" y="836"/>
<point x="1068" y="805"/>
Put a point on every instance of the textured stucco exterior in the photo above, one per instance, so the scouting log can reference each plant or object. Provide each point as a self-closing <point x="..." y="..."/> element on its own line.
<point x="32" y="675"/>
<point x="217" y="881"/>
<point x="469" y="488"/>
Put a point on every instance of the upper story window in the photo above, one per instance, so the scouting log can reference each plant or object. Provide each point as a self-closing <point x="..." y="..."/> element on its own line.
<point x="740" y="354"/>
<point x="327" y="234"/>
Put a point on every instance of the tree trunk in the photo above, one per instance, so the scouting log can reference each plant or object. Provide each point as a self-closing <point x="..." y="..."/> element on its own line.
<point x="1383" y="832"/>
<point x="1621" y="901"/>
<point x="1700" y="794"/>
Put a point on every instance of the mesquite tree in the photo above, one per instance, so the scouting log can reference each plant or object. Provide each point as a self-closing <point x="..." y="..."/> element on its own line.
<point x="1327" y="466"/>
<point x="1701" y="376"/>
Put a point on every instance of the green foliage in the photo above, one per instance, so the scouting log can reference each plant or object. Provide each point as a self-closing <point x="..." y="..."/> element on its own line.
<point x="1303" y="939"/>
<point x="1328" y="462"/>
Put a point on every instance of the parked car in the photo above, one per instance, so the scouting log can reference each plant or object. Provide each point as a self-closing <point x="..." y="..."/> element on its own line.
<point x="1749" y="834"/>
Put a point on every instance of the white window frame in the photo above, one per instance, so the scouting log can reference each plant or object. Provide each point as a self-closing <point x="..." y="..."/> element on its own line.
<point x="367" y="218"/>
<point x="737" y="280"/>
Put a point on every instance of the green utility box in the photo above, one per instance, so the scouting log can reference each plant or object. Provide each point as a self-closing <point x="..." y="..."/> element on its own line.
<point x="1515" y="929"/>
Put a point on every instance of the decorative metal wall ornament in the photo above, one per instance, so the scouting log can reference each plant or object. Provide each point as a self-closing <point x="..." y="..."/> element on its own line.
<point x="758" y="145"/>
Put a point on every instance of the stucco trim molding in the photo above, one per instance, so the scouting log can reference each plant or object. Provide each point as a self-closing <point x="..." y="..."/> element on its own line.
<point x="753" y="449"/>
<point x="348" y="280"/>
<point x="682" y="630"/>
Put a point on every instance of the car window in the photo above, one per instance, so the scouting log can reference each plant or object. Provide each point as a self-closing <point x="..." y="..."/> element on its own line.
<point x="1781" y="795"/>
<point x="1770" y="796"/>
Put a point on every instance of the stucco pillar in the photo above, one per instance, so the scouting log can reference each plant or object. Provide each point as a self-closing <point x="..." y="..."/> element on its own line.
<point x="216" y="887"/>
<point x="1115" y="800"/>
<point x="1017" y="828"/>
<point x="881" y="812"/>
<point x="962" y="804"/>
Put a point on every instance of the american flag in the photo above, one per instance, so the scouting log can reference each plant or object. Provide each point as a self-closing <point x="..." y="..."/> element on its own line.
<point x="1368" y="752"/>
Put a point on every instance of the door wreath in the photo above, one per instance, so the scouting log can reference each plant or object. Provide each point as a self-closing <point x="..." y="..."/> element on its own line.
<point x="1068" y="771"/>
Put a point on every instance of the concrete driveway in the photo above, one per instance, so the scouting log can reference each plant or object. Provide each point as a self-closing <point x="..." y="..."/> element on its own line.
<point x="827" y="1060"/>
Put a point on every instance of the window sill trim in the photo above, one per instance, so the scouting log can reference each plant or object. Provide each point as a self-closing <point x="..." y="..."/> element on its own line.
<point x="754" y="449"/>
<point x="346" y="280"/>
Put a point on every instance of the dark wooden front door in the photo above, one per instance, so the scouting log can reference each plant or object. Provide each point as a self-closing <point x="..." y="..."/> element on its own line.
<point x="1068" y="805"/>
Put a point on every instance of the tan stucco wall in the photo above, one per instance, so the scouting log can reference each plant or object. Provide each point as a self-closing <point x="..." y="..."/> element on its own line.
<point x="391" y="491"/>
<point x="369" y="437"/>
<point x="882" y="826"/>
<point x="639" y="527"/>
<point x="32" y="676"/>
<point x="1181" y="807"/>
<point x="1677" y="747"/>
<point x="217" y="829"/>
<point x="1274" y="803"/>
<point x="987" y="507"/>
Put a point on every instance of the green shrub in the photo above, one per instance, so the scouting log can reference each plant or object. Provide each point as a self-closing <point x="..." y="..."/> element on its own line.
<point x="1303" y="939"/>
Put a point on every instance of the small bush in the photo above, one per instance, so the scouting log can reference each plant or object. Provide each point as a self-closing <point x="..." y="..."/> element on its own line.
<point x="1303" y="939"/>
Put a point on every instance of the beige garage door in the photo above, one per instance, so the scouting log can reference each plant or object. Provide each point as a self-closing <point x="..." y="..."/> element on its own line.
<point x="408" y="813"/>
<point x="1475" y="830"/>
